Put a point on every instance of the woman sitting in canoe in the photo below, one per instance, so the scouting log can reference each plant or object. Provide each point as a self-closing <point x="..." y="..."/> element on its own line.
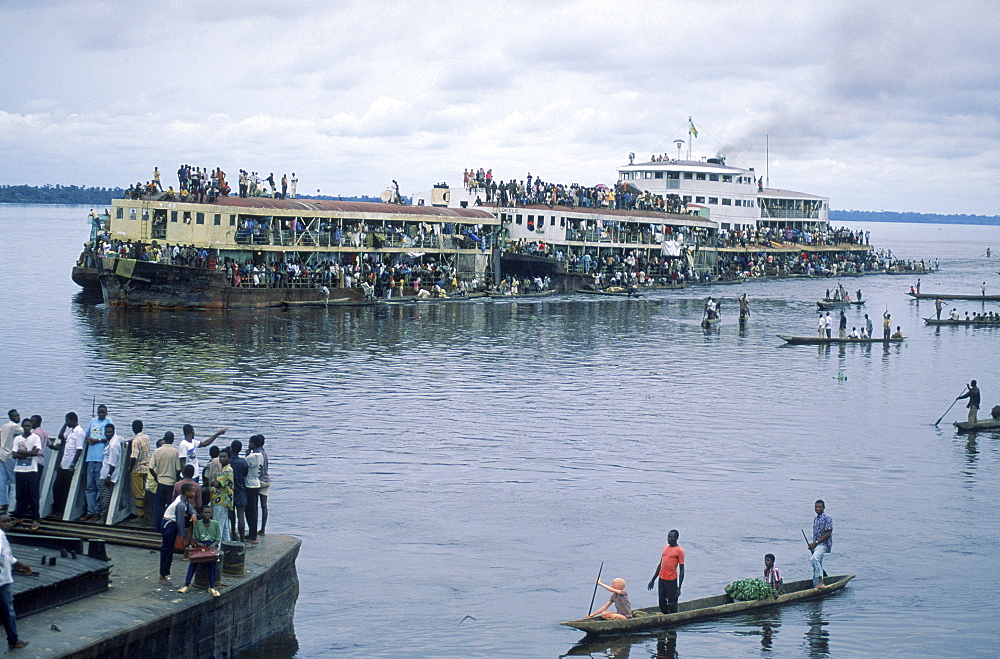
<point x="619" y="597"/>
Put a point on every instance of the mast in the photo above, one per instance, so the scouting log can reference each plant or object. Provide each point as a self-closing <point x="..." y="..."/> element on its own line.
<point x="767" y="159"/>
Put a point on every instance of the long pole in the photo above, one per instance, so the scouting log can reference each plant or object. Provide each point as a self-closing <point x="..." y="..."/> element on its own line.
<point x="594" y="596"/>
<point x="950" y="406"/>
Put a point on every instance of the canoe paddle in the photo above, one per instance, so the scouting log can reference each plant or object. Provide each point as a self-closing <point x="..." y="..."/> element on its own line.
<point x="825" y="575"/>
<point x="950" y="406"/>
<point x="594" y="596"/>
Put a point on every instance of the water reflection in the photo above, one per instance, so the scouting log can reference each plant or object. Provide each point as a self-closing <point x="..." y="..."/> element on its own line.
<point x="817" y="640"/>
<point x="620" y="647"/>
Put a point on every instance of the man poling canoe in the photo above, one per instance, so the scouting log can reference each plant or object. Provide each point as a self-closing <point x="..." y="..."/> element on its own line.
<point x="973" y="395"/>
<point x="822" y="543"/>
<point x="744" y="307"/>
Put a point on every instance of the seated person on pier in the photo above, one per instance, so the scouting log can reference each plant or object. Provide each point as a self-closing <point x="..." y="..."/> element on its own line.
<point x="619" y="597"/>
<point x="898" y="334"/>
<point x="854" y="334"/>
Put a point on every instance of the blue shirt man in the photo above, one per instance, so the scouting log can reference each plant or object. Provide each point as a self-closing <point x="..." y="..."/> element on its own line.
<point x="97" y="442"/>
<point x="822" y="542"/>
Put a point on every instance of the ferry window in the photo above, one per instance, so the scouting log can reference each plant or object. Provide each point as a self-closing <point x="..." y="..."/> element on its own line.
<point x="700" y="177"/>
<point x="713" y="177"/>
<point x="713" y="200"/>
<point x="687" y="199"/>
<point x="517" y="219"/>
<point x="200" y="218"/>
<point x="673" y="175"/>
<point x="218" y="219"/>
<point x="727" y="202"/>
<point x="699" y="200"/>
<point x="541" y="221"/>
<point x="688" y="175"/>
<point x="659" y="175"/>
<point x="648" y="174"/>
<point x="562" y="222"/>
<point x="145" y="215"/>
<point x="727" y="178"/>
<point x="173" y="216"/>
<point x="420" y="202"/>
<point x="131" y="213"/>
<point x="232" y="220"/>
<point x="737" y="203"/>
<point x="121" y="213"/>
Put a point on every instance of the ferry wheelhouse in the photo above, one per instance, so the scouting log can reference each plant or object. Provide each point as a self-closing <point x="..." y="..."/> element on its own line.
<point x="234" y="252"/>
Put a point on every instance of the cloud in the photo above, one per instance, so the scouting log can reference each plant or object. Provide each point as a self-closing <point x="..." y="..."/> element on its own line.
<point x="860" y="101"/>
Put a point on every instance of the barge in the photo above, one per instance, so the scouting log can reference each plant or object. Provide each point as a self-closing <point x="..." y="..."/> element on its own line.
<point x="235" y="252"/>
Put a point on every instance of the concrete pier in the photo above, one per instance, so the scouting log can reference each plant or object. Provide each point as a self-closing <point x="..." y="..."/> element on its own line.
<point x="138" y="617"/>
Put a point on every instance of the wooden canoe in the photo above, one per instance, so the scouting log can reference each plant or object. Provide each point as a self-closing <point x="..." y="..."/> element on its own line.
<point x="826" y="305"/>
<point x="505" y="296"/>
<point x="955" y="296"/>
<point x="961" y="321"/>
<point x="611" y="293"/>
<point x="650" y="618"/>
<point x="815" y="340"/>
<point x="336" y="302"/>
<point x="708" y="322"/>
<point x="982" y="424"/>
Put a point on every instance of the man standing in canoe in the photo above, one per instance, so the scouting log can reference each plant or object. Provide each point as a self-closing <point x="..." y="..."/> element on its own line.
<point x="670" y="571"/>
<point x="822" y="543"/>
<point x="938" y="306"/>
<point x="973" y="395"/>
<point x="843" y="325"/>
<point x="744" y="307"/>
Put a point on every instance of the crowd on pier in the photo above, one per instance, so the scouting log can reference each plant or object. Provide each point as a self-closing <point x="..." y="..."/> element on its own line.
<point x="200" y="184"/>
<point x="533" y="190"/>
<point x="163" y="478"/>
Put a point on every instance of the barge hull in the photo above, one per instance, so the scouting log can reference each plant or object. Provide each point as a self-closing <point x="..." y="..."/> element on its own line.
<point x="144" y="284"/>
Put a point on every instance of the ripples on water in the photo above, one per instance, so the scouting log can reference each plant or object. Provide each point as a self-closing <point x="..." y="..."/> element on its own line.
<point x="482" y="459"/>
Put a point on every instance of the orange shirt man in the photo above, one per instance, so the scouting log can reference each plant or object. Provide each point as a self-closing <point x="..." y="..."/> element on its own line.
<point x="669" y="573"/>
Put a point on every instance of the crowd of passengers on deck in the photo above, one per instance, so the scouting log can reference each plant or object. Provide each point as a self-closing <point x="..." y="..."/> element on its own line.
<point x="199" y="184"/>
<point x="818" y="264"/>
<point x="336" y="233"/>
<point x="767" y="235"/>
<point x="533" y="191"/>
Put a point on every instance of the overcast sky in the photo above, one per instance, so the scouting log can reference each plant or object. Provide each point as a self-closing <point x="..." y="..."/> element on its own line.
<point x="877" y="105"/>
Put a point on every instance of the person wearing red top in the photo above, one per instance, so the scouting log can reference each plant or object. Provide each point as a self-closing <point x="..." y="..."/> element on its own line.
<point x="670" y="571"/>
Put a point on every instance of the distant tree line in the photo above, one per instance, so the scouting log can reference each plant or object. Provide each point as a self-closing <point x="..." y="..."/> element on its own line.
<point x="928" y="218"/>
<point x="78" y="194"/>
<point x="58" y="194"/>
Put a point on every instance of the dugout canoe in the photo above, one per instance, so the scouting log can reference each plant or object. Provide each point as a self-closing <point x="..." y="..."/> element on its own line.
<point x="815" y="340"/>
<point x="826" y="305"/>
<point x="961" y="321"/>
<point x="336" y="302"/>
<point x="650" y="618"/>
<point x="955" y="296"/>
<point x="982" y="424"/>
<point x="709" y="322"/>
<point x="610" y="293"/>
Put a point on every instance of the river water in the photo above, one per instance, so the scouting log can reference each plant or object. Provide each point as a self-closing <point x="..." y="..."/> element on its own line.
<point x="458" y="473"/>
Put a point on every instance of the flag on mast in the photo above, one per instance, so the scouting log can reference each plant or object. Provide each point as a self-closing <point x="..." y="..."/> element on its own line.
<point x="691" y="128"/>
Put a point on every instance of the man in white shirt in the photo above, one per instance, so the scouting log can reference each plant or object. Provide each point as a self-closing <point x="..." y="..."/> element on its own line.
<point x="8" y="432"/>
<point x="73" y="438"/>
<point x="7" y="561"/>
<point x="188" y="448"/>
<point x="110" y="467"/>
<point x="27" y="446"/>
